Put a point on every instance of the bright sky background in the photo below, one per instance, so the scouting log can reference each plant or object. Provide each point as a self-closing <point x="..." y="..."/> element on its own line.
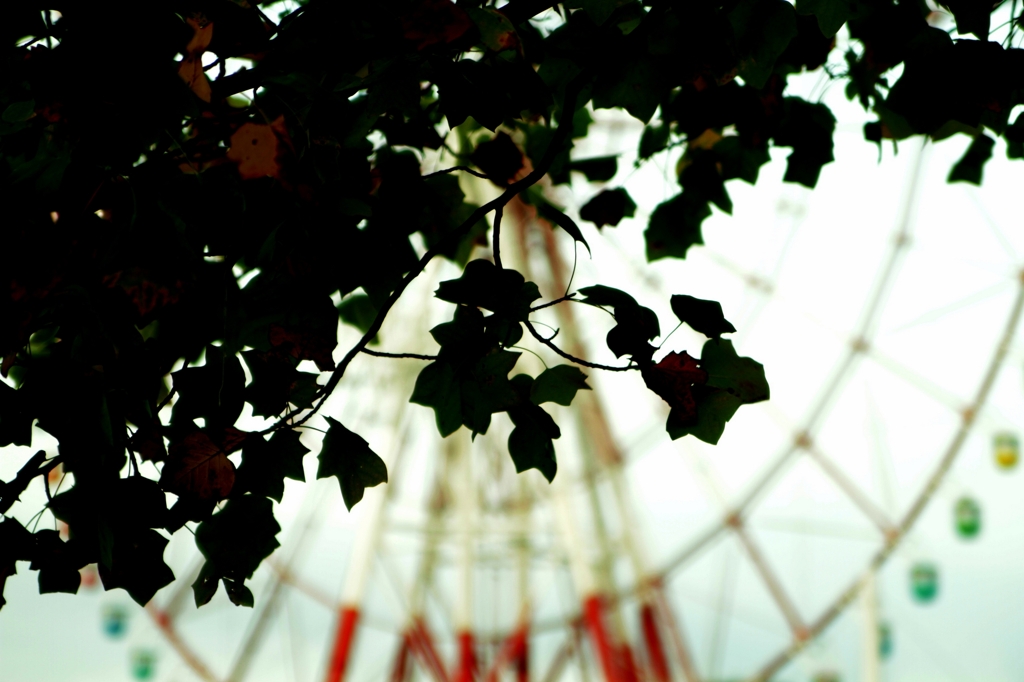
<point x="820" y="252"/>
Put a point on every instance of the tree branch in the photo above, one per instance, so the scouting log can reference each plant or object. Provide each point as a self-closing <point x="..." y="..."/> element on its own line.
<point x="12" y="490"/>
<point x="567" y="297"/>
<point x="497" y="237"/>
<point x="558" y="140"/>
<point x="572" y="358"/>
<point x="457" y="168"/>
<point x="380" y="354"/>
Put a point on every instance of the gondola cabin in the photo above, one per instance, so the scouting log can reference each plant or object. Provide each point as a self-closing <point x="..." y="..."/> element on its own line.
<point x="115" y="620"/>
<point x="143" y="664"/>
<point x="924" y="582"/>
<point x="884" y="641"/>
<point x="1006" y="449"/>
<point x="967" y="517"/>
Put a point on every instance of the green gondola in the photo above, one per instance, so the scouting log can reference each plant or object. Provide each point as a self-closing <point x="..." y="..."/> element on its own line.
<point x="143" y="664"/>
<point x="967" y="517"/>
<point x="924" y="581"/>
<point x="884" y="641"/>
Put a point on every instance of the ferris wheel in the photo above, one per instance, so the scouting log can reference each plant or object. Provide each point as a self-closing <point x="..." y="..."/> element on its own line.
<point x="649" y="559"/>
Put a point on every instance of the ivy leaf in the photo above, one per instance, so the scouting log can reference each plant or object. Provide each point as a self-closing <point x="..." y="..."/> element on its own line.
<point x="437" y="388"/>
<point x="971" y="165"/>
<point x="238" y="593"/>
<point x="714" y="408"/>
<point x="137" y="565"/>
<point x="702" y="316"/>
<point x="831" y="14"/>
<point x="636" y="325"/>
<point x="653" y="140"/>
<point x="675" y="226"/>
<point x="52" y="557"/>
<point x="762" y="29"/>
<point x="634" y="85"/>
<point x="549" y="212"/>
<point x="609" y="207"/>
<point x="807" y="128"/>
<point x="265" y="464"/>
<point x="213" y="392"/>
<point x="359" y="311"/>
<point x="484" y="285"/>
<point x="597" y="169"/>
<point x="348" y="457"/>
<point x="499" y="158"/>
<point x="15" y="545"/>
<point x="276" y="382"/>
<point x="198" y="468"/>
<point x="558" y="385"/>
<point x="673" y="379"/>
<point x="740" y="376"/>
<point x="235" y="541"/>
<point x="530" y="443"/>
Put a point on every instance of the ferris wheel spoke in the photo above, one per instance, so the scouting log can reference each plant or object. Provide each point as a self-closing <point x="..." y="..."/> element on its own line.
<point x="723" y="611"/>
<point x="772" y="582"/>
<point x="856" y="495"/>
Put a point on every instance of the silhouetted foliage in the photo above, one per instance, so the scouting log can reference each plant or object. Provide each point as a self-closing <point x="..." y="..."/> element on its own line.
<point x="144" y="175"/>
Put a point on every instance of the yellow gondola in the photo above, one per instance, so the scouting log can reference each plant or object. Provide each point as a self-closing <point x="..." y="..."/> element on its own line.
<point x="1006" y="449"/>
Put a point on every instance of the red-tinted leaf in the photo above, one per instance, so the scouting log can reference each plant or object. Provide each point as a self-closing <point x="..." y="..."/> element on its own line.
<point x="198" y="468"/>
<point x="304" y="344"/>
<point x="673" y="379"/>
<point x="191" y="66"/>
<point x="257" y="148"/>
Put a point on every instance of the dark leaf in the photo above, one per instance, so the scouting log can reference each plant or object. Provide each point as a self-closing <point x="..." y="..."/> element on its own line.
<point x="235" y="541"/>
<point x="702" y="316"/>
<point x="346" y="456"/>
<point x="653" y="140"/>
<point x="971" y="165"/>
<point x="609" y="207"/>
<point x="741" y="377"/>
<point x="548" y="211"/>
<point x="675" y="226"/>
<point x="831" y="14"/>
<point x="598" y="169"/>
<point x="484" y="285"/>
<point x="238" y="593"/>
<point x="265" y="464"/>
<point x="16" y="544"/>
<point x="558" y="385"/>
<point x="437" y="388"/>
<point x="137" y="565"/>
<point x="213" y="392"/>
<point x="198" y="468"/>
<point x="762" y="29"/>
<point x="499" y="158"/>
<point x="673" y="379"/>
<point x="530" y="443"/>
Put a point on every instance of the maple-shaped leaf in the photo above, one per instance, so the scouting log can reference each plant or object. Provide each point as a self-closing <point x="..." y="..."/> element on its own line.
<point x="235" y="541"/>
<point x="485" y="285"/>
<point x="53" y="558"/>
<point x="675" y="226"/>
<point x="148" y="441"/>
<point x="499" y="158"/>
<point x="609" y="207"/>
<point x="732" y="381"/>
<point x="213" y="391"/>
<point x="702" y="316"/>
<point x="16" y="544"/>
<point x="257" y="148"/>
<point x="190" y="69"/>
<point x="636" y="324"/>
<point x="432" y="22"/>
<point x="558" y="385"/>
<point x="673" y="379"/>
<point x="265" y="464"/>
<point x="137" y="565"/>
<point x="346" y="456"/>
<point x="198" y="468"/>
<point x="530" y="443"/>
<point x="276" y="382"/>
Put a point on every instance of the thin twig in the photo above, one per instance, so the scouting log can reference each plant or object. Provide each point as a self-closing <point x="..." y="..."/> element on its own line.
<point x="567" y="297"/>
<point x="560" y="137"/>
<point x="497" y="237"/>
<point x="167" y="399"/>
<point x="579" y="361"/>
<point x="380" y="354"/>
<point x="457" y="168"/>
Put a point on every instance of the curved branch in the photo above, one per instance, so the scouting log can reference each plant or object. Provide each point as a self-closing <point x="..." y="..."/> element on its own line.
<point x="457" y="168"/>
<point x="413" y="356"/>
<point x="572" y="358"/>
<point x="558" y="140"/>
<point x="567" y="297"/>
